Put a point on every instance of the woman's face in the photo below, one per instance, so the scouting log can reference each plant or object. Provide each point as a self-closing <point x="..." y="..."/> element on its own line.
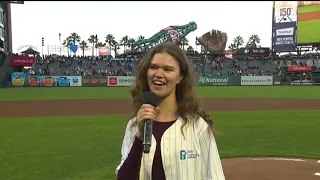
<point x="163" y="74"/>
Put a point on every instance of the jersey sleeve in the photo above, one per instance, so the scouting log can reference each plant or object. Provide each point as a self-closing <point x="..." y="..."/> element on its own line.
<point x="127" y="143"/>
<point x="211" y="168"/>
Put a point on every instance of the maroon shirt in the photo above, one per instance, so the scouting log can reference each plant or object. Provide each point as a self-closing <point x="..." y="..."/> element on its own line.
<point x="130" y="169"/>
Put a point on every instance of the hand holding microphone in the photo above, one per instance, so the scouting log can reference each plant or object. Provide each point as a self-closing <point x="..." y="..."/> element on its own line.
<point x="145" y="115"/>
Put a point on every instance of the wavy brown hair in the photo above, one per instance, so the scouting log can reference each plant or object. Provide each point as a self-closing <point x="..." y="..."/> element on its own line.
<point x="187" y="98"/>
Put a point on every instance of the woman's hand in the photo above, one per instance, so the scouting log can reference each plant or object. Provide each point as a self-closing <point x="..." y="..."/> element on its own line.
<point x="146" y="111"/>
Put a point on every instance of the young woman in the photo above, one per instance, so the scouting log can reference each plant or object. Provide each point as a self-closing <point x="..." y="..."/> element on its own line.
<point x="183" y="144"/>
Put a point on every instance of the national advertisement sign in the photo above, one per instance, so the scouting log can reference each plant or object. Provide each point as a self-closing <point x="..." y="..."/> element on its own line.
<point x="285" y="37"/>
<point x="21" y="61"/>
<point x="217" y="80"/>
<point x="257" y="80"/>
<point x="121" y="80"/>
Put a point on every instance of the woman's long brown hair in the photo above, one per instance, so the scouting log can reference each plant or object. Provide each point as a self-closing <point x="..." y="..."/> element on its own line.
<point x="188" y="100"/>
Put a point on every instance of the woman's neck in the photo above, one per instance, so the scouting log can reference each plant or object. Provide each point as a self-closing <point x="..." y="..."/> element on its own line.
<point x="168" y="109"/>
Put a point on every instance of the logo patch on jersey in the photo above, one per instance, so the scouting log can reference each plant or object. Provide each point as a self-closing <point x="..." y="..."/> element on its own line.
<point x="188" y="154"/>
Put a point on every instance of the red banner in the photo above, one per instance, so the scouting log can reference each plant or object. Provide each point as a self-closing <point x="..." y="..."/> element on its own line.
<point x="104" y="50"/>
<point x="21" y="61"/>
<point x="299" y="68"/>
<point x="229" y="52"/>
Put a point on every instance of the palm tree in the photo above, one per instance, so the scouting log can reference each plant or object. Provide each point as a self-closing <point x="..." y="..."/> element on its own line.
<point x="141" y="37"/>
<point x="253" y="41"/>
<point x="184" y="42"/>
<point x="124" y="42"/>
<point x="66" y="43"/>
<point x="75" y="38"/>
<point x="93" y="39"/>
<point x="238" y="42"/>
<point x="109" y="39"/>
<point x="115" y="45"/>
<point x="83" y="45"/>
<point x="232" y="46"/>
<point x="131" y="43"/>
<point x="190" y="49"/>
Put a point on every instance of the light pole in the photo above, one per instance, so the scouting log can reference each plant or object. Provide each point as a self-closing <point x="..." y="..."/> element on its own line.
<point x="42" y="44"/>
<point x="60" y="43"/>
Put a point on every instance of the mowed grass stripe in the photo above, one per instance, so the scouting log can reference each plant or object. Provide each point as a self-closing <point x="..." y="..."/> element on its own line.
<point x="25" y="94"/>
<point x="308" y="9"/>
<point x="88" y="147"/>
<point x="268" y="133"/>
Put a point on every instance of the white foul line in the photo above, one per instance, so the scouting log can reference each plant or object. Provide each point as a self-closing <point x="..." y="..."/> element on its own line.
<point x="280" y="159"/>
<point x="317" y="174"/>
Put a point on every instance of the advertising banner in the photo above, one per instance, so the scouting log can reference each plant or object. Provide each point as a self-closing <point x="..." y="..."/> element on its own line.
<point x="257" y="80"/>
<point x="285" y="37"/>
<point x="302" y="82"/>
<point x="94" y="81"/>
<point x="51" y="81"/>
<point x="74" y="80"/>
<point x="285" y="11"/>
<point x="18" y="79"/>
<point x="218" y="80"/>
<point x="21" y="61"/>
<point x="17" y="2"/>
<point x="121" y="80"/>
<point x="253" y="51"/>
<point x="299" y="68"/>
<point x="104" y="50"/>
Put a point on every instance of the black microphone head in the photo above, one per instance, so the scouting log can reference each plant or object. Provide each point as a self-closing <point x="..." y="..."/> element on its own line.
<point x="150" y="97"/>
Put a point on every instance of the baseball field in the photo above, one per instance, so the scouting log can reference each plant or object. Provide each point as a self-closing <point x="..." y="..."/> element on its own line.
<point x="308" y="24"/>
<point x="269" y="133"/>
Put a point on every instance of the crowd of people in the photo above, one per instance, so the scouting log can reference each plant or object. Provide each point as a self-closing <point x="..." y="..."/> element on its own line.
<point x="125" y="65"/>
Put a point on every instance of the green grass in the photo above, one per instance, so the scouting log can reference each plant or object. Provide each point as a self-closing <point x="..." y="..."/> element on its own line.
<point x="88" y="147"/>
<point x="308" y="31"/>
<point x="25" y="94"/>
<point x="269" y="133"/>
<point x="306" y="9"/>
<point x="58" y="148"/>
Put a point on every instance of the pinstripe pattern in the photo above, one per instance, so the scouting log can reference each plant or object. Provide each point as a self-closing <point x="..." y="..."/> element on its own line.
<point x="127" y="142"/>
<point x="199" y="143"/>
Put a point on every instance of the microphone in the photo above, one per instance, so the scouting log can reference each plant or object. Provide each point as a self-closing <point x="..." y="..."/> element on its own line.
<point x="152" y="99"/>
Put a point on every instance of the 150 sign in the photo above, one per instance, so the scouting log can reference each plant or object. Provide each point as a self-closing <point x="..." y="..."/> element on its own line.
<point x="285" y="11"/>
<point x="285" y="8"/>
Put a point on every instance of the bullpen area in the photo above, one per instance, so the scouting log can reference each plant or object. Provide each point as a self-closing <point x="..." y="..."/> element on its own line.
<point x="269" y="133"/>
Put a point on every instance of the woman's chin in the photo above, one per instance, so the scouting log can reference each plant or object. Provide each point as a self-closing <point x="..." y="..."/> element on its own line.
<point x="159" y="92"/>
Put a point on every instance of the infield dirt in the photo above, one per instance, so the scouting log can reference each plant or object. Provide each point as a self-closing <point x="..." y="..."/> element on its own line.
<point x="309" y="16"/>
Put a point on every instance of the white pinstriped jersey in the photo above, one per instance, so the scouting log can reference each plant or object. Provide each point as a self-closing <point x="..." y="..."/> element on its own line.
<point x="194" y="157"/>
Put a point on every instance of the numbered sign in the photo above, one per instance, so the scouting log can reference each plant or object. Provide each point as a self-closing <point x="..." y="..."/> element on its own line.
<point x="285" y="8"/>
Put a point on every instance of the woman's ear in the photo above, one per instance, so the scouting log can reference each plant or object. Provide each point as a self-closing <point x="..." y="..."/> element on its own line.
<point x="180" y="79"/>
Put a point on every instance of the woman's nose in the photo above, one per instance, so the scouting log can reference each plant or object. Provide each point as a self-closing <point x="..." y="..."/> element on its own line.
<point x="159" y="72"/>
